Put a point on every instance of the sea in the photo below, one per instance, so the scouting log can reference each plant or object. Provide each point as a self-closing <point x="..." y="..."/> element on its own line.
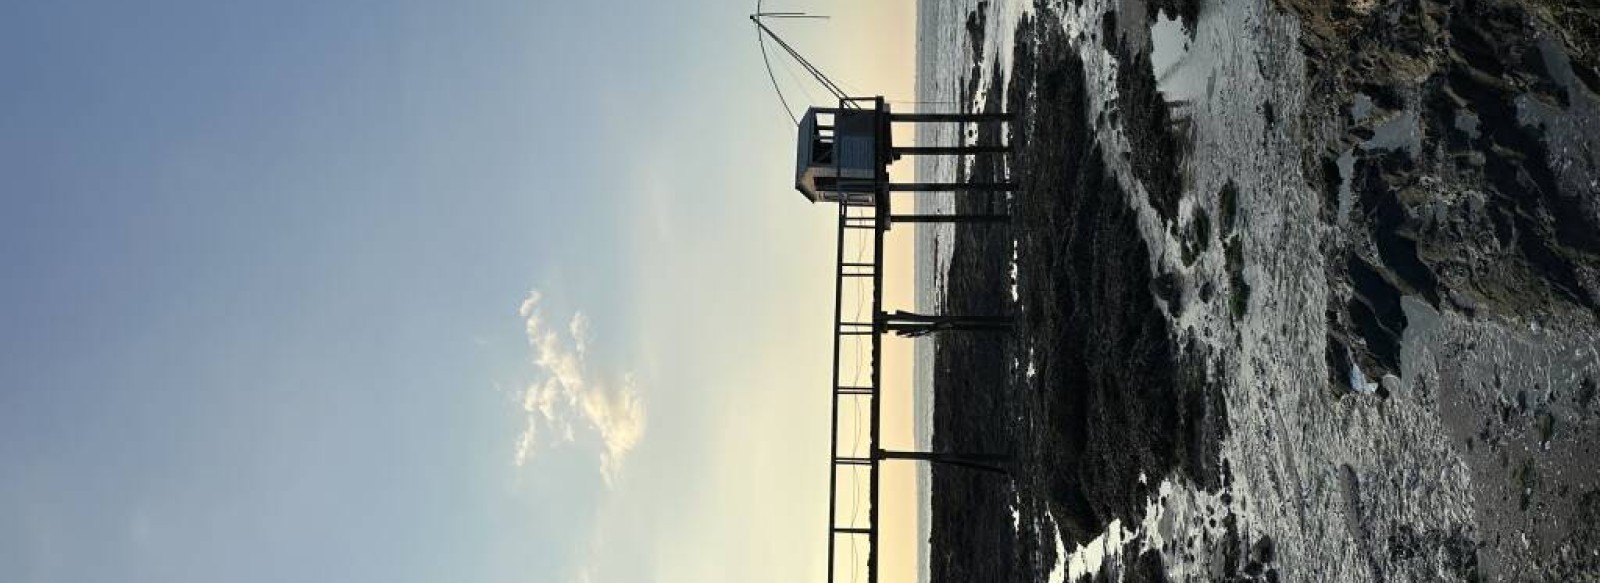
<point x="944" y="59"/>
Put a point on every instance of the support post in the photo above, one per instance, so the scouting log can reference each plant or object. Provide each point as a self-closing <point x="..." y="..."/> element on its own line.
<point x="948" y="150"/>
<point x="977" y="461"/>
<point x="949" y="117"/>
<point x="912" y="325"/>
<point x="875" y="423"/>
<point x="951" y="186"/>
<point x="984" y="218"/>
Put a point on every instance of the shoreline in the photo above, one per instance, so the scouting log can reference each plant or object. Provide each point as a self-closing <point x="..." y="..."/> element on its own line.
<point x="1239" y="352"/>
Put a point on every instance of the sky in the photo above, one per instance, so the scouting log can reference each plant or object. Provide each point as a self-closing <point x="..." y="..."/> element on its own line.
<point x="414" y="291"/>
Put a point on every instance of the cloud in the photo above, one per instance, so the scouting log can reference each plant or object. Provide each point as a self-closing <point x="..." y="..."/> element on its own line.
<point x="569" y="394"/>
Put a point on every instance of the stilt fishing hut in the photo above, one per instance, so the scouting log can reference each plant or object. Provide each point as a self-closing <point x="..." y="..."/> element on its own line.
<point x="843" y="153"/>
<point x="842" y="156"/>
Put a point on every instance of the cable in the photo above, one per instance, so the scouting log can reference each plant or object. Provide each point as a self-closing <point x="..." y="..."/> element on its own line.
<point x="815" y="72"/>
<point x="761" y="42"/>
<point x="788" y="70"/>
<point x="855" y="490"/>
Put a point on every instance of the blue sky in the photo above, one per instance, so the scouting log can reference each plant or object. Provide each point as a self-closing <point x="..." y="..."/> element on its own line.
<point x="262" y="267"/>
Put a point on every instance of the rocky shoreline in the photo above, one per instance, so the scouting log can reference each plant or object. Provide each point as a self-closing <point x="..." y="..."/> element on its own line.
<point x="1332" y="315"/>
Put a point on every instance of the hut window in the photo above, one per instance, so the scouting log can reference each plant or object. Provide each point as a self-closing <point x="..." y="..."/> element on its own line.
<point x="821" y="152"/>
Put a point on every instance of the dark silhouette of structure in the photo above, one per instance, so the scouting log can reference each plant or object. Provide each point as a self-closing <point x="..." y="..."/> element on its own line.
<point x="843" y="156"/>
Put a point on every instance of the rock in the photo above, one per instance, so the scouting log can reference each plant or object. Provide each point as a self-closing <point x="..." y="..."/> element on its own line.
<point x="1390" y="383"/>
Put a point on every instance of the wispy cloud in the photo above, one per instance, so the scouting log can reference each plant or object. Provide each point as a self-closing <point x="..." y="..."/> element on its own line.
<point x="569" y="396"/>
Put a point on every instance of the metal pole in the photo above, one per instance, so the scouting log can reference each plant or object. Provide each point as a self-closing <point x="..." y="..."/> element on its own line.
<point x="949" y="117"/>
<point x="948" y="150"/>
<point x="877" y="399"/>
<point x="949" y="319"/>
<point x="987" y="218"/>
<point x="976" y="461"/>
<point x="913" y="325"/>
<point x="951" y="186"/>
